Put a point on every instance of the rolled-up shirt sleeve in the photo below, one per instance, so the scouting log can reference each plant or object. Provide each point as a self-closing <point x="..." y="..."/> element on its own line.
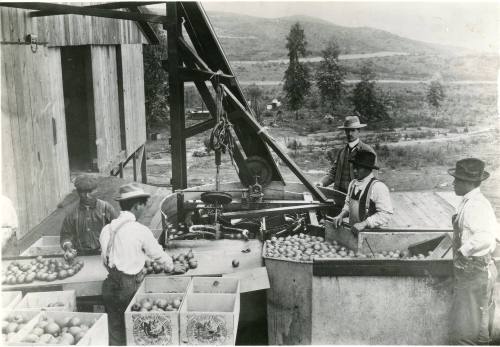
<point x="383" y="204"/>
<point x="347" y="200"/>
<point x="479" y="223"/>
<point x="153" y="249"/>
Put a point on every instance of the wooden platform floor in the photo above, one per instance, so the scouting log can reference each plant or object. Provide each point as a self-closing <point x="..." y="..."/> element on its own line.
<point x="107" y="190"/>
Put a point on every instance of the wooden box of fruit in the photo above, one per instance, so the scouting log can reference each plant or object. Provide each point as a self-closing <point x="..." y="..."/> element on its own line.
<point x="153" y="319"/>
<point x="209" y="319"/>
<point x="11" y="299"/>
<point x="156" y="284"/>
<point x="65" y="328"/>
<point x="64" y="300"/>
<point x="12" y="322"/>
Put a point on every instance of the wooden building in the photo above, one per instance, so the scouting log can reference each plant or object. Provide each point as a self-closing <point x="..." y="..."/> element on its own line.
<point x="72" y="101"/>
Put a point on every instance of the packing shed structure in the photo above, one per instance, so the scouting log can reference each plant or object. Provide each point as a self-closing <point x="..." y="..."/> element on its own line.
<point x="72" y="101"/>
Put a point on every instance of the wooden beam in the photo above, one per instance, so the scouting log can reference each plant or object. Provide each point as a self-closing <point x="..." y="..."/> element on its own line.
<point x="274" y="211"/>
<point x="199" y="128"/>
<point x="176" y="98"/>
<point x="144" y="172"/>
<point x="57" y="9"/>
<point x="189" y="75"/>
<point x="146" y="28"/>
<point x="270" y="141"/>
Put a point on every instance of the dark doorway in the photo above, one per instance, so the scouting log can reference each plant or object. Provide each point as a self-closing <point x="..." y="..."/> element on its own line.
<point x="79" y="107"/>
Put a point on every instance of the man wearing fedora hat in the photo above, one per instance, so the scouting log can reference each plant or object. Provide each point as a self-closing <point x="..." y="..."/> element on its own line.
<point x="368" y="201"/>
<point x="341" y="173"/>
<point x="83" y="224"/>
<point x="126" y="245"/>
<point x="475" y="231"/>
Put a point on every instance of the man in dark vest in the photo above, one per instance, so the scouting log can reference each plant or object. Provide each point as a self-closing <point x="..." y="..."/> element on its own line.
<point x="368" y="202"/>
<point x="82" y="226"/>
<point x="474" y="239"/>
<point x="341" y="173"/>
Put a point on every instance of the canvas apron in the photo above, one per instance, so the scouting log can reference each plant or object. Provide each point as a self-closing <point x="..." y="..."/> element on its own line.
<point x="473" y="306"/>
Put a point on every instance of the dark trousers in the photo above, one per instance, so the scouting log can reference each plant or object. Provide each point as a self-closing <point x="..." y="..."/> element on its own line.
<point x="117" y="291"/>
<point x="473" y="306"/>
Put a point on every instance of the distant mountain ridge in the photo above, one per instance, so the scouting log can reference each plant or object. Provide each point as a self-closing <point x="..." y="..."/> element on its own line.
<point x="255" y="38"/>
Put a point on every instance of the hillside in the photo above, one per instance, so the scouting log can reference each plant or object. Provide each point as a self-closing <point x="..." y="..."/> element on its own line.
<point x="247" y="37"/>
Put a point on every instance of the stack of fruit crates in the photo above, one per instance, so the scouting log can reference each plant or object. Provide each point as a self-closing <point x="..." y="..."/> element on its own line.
<point x="152" y="317"/>
<point x="64" y="300"/>
<point x="210" y="312"/>
<point x="57" y="327"/>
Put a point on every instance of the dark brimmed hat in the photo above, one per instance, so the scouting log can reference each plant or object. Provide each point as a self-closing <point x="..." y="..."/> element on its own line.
<point x="352" y="122"/>
<point x="469" y="169"/>
<point x="84" y="183"/>
<point x="131" y="191"/>
<point x="364" y="158"/>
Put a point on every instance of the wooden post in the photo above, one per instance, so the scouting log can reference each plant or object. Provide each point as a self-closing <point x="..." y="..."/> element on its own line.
<point x="134" y="163"/>
<point x="176" y="98"/>
<point x="121" y="169"/>
<point x="144" y="173"/>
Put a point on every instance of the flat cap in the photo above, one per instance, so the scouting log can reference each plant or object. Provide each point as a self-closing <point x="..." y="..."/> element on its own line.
<point x="85" y="182"/>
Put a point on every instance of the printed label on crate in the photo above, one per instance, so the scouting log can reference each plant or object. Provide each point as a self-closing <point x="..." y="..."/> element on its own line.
<point x="152" y="329"/>
<point x="206" y="329"/>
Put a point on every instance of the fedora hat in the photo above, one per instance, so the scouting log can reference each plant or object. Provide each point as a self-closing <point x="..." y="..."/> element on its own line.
<point x="364" y="158"/>
<point x="131" y="191"/>
<point x="352" y="122"/>
<point x="469" y="169"/>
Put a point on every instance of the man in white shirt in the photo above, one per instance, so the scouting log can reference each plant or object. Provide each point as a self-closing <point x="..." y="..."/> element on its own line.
<point x="474" y="240"/>
<point x="125" y="246"/>
<point x="368" y="202"/>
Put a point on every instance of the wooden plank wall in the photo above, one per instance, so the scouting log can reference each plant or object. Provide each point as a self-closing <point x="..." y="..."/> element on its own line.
<point x="67" y="30"/>
<point x="106" y="108"/>
<point x="34" y="159"/>
<point x="133" y="96"/>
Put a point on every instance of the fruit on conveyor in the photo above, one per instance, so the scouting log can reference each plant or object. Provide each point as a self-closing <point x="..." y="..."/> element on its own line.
<point x="303" y="247"/>
<point x="181" y="264"/>
<point x="40" y="269"/>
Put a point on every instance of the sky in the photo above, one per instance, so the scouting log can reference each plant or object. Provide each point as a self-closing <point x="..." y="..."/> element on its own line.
<point x="468" y="24"/>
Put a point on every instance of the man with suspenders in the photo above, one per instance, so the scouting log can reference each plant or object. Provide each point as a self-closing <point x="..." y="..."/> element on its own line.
<point x="368" y="202"/>
<point x="125" y="246"/>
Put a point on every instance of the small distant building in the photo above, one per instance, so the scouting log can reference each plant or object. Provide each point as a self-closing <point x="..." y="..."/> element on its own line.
<point x="275" y="104"/>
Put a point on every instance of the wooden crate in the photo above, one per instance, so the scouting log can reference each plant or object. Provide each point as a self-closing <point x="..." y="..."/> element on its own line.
<point x="209" y="319"/>
<point x="11" y="299"/>
<point x="26" y="316"/>
<point x="41" y="300"/>
<point x="152" y="327"/>
<point x="97" y="335"/>
<point x="163" y="284"/>
<point x="214" y="285"/>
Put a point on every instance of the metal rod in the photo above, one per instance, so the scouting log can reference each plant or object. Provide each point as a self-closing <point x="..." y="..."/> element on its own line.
<point x="368" y="244"/>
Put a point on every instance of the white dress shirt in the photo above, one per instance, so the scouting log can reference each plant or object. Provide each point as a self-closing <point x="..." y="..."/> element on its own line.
<point x="379" y="195"/>
<point x="353" y="144"/>
<point x="478" y="223"/>
<point x="133" y="244"/>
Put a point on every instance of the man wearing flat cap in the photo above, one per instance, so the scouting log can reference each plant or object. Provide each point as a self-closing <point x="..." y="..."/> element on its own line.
<point x="341" y="173"/>
<point x="475" y="231"/>
<point x="368" y="201"/>
<point x="82" y="226"/>
<point x="126" y="244"/>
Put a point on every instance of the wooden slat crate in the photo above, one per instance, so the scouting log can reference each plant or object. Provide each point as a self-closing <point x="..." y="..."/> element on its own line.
<point x="20" y="318"/>
<point x="11" y="299"/>
<point x="65" y="300"/>
<point x="214" y="285"/>
<point x="209" y="319"/>
<point x="162" y="284"/>
<point x="153" y="327"/>
<point x="96" y="335"/>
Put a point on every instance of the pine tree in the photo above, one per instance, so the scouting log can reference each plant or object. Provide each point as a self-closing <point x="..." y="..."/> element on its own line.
<point x="435" y="94"/>
<point x="330" y="76"/>
<point x="297" y="78"/>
